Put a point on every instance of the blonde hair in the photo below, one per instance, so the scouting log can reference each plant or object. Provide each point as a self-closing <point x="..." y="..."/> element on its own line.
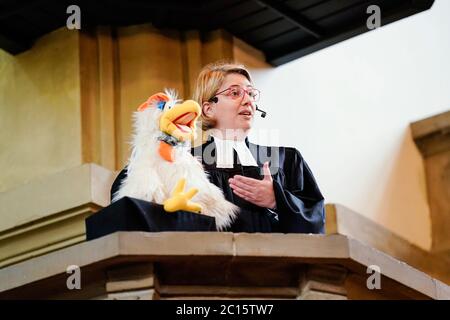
<point x="209" y="80"/>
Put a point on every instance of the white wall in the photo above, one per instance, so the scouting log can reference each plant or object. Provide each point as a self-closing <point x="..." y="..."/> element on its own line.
<point x="347" y="109"/>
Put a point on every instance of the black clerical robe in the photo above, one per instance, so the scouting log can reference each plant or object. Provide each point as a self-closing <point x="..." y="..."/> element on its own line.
<point x="299" y="202"/>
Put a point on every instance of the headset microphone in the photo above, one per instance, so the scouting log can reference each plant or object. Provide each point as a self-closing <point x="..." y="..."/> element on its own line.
<point x="263" y="113"/>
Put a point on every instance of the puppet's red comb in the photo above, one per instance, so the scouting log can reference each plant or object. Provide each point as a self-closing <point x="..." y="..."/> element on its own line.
<point x="154" y="100"/>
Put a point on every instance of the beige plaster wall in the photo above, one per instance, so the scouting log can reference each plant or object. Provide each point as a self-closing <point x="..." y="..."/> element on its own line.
<point x="40" y="125"/>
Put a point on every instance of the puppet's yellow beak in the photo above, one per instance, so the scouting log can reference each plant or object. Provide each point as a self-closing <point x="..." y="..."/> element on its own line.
<point x="179" y="121"/>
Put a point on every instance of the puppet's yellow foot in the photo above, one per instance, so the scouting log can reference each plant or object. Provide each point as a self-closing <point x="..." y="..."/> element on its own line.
<point x="180" y="200"/>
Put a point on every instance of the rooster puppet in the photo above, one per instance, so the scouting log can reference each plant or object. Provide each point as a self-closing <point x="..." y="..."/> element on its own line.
<point x="161" y="166"/>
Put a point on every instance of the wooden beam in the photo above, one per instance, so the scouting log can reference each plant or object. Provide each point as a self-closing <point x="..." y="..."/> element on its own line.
<point x="13" y="45"/>
<point x="293" y="17"/>
<point x="20" y="7"/>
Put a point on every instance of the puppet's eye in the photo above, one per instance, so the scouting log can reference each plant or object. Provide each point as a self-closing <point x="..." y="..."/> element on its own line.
<point x="171" y="104"/>
<point x="160" y="105"/>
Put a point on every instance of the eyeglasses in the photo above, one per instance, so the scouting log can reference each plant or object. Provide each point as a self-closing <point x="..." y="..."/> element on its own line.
<point x="237" y="92"/>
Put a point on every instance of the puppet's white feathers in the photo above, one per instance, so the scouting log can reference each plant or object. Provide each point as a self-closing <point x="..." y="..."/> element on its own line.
<point x="152" y="178"/>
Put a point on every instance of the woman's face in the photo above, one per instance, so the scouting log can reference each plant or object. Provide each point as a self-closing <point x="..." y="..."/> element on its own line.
<point x="230" y="112"/>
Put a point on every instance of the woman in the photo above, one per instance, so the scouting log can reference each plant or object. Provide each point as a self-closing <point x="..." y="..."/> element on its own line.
<point x="273" y="186"/>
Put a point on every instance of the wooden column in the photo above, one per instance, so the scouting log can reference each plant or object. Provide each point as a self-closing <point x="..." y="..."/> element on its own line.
<point x="432" y="136"/>
<point x="98" y="90"/>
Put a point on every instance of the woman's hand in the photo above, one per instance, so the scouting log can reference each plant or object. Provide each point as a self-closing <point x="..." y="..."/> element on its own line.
<point x="259" y="192"/>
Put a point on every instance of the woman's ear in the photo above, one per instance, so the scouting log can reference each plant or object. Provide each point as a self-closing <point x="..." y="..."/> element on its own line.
<point x="208" y="109"/>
